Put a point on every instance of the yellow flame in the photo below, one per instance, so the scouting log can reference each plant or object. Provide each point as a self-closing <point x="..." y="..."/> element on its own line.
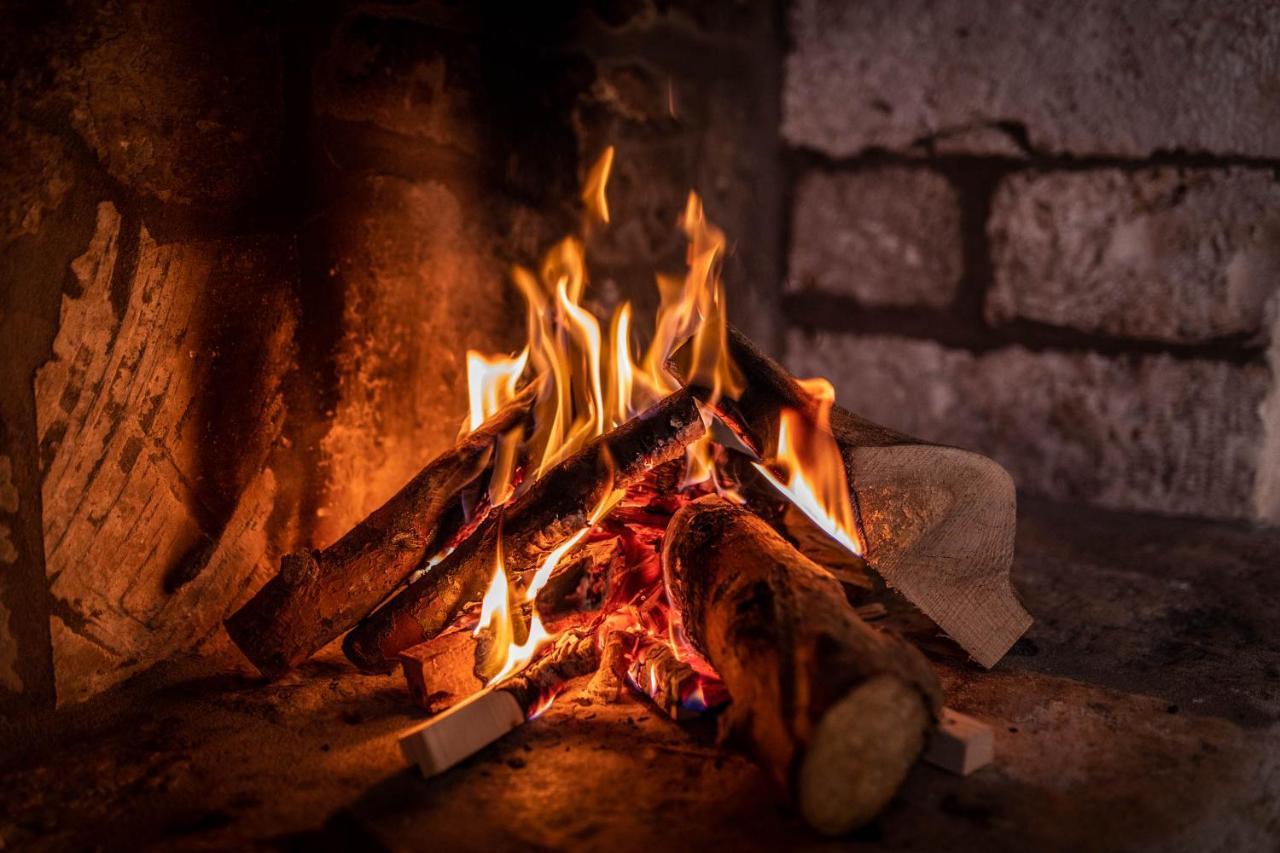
<point x="813" y="473"/>
<point x="589" y="383"/>
<point x="504" y="466"/>
<point x="593" y="195"/>
<point x="491" y="383"/>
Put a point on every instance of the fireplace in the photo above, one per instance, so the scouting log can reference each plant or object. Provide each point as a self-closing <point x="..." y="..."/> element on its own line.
<point x="403" y="442"/>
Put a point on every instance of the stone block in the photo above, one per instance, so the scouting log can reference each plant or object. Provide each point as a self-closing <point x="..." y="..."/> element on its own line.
<point x="1145" y="433"/>
<point x="1176" y="255"/>
<point x="1098" y="77"/>
<point x="885" y="237"/>
<point x="181" y="124"/>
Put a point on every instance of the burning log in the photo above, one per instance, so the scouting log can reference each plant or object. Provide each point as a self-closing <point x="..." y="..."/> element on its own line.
<point x="556" y="507"/>
<point x="836" y="710"/>
<point x="465" y="729"/>
<point x="447" y="669"/>
<point x="441" y="673"/>
<point x="938" y="522"/>
<point x="317" y="595"/>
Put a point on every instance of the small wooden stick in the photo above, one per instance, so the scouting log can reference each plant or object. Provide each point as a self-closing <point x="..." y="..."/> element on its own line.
<point x="442" y="672"/>
<point x="470" y="726"/>
<point x="961" y="744"/>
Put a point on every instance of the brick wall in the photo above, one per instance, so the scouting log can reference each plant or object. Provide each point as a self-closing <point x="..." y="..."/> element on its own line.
<point x="1050" y="232"/>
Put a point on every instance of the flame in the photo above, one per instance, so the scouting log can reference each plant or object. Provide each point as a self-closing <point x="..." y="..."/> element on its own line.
<point x="491" y="383"/>
<point x="506" y="655"/>
<point x="593" y="192"/>
<point x="812" y="469"/>
<point x="589" y="382"/>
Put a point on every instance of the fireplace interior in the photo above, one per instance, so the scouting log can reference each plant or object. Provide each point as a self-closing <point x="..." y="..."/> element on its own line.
<point x="611" y="425"/>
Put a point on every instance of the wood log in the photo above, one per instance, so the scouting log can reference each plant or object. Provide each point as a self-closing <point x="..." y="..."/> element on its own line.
<point x="465" y="729"/>
<point x="441" y="672"/>
<point x="938" y="522"/>
<point x="837" y="711"/>
<point x="318" y="595"/>
<point x="554" y="507"/>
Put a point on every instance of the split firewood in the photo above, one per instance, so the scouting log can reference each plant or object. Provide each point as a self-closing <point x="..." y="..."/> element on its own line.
<point x="556" y="506"/>
<point x="465" y="729"/>
<point x="318" y="595"/>
<point x="441" y="673"/>
<point x="836" y="710"/>
<point x="938" y="522"/>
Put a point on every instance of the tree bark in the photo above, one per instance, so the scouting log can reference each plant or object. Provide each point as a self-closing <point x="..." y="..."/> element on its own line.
<point x="318" y="595"/>
<point x="555" y="507"/>
<point x="836" y="710"/>
<point x="938" y="522"/>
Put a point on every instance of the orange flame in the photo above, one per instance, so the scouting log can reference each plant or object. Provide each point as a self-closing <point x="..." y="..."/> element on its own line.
<point x="809" y="459"/>
<point x="491" y="383"/>
<point x="590" y="382"/>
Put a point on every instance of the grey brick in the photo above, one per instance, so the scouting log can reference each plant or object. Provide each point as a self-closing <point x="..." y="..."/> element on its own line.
<point x="1092" y="77"/>
<point x="1145" y="433"/>
<point x="886" y="237"/>
<point x="1164" y="254"/>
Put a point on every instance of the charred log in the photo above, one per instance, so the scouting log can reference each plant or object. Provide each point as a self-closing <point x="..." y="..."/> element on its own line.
<point x="318" y="595"/>
<point x="554" y="508"/>
<point x="836" y="710"/>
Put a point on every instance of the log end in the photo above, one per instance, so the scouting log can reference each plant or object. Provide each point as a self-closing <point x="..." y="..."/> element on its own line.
<point x="860" y="753"/>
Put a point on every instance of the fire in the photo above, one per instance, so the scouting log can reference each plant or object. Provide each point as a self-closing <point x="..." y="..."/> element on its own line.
<point x="506" y="655"/>
<point x="589" y="381"/>
<point x="810" y="469"/>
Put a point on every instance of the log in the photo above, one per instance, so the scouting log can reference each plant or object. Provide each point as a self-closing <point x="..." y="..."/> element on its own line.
<point x="465" y="729"/>
<point x="938" y="522"/>
<point x="318" y="595"/>
<point x="835" y="710"/>
<point x="441" y="672"/>
<point x="554" y="508"/>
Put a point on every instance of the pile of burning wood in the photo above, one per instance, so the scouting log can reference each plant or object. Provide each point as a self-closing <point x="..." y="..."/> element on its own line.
<point x="697" y="525"/>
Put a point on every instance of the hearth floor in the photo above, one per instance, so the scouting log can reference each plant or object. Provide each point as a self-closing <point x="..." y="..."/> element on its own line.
<point x="1140" y="712"/>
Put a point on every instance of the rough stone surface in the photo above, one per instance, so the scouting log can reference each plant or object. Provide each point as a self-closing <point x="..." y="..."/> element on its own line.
<point x="886" y="237"/>
<point x="1097" y="77"/>
<point x="421" y="284"/>
<point x="1152" y="433"/>
<point x="156" y="415"/>
<point x="180" y="103"/>
<point x="1151" y="666"/>
<point x="1178" y="255"/>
